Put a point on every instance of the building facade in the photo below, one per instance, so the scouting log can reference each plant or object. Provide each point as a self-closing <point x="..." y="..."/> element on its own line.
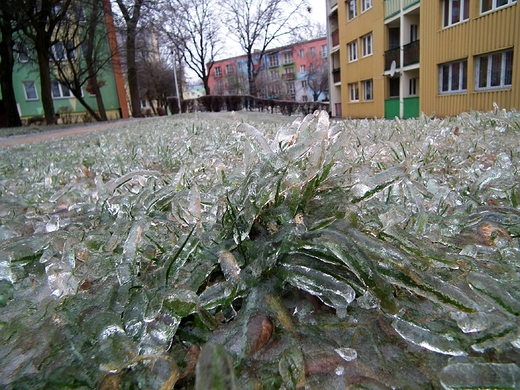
<point x="26" y="82"/>
<point x="295" y="72"/>
<point x="403" y="58"/>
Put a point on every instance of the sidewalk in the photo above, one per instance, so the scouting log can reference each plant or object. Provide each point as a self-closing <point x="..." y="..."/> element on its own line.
<point x="53" y="134"/>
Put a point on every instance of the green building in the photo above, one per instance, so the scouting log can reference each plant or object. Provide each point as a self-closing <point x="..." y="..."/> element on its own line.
<point x="26" y="81"/>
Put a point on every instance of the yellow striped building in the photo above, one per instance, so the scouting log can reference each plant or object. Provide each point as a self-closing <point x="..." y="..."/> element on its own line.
<point x="402" y="58"/>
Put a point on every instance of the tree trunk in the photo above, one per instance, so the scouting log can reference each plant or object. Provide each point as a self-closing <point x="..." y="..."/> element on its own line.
<point x="90" y="110"/>
<point x="133" y="84"/>
<point x="99" y="101"/>
<point x="250" y="75"/>
<point x="45" y="85"/>
<point x="6" y="82"/>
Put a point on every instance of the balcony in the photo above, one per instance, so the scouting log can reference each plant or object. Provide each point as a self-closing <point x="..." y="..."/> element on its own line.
<point x="335" y="38"/>
<point x="336" y="75"/>
<point x="288" y="76"/>
<point x="392" y="55"/>
<point x="411" y="53"/>
<point x="392" y="7"/>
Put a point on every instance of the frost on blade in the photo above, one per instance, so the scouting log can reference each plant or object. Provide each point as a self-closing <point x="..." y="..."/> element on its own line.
<point x="477" y="375"/>
<point x="330" y="290"/>
<point x="427" y="339"/>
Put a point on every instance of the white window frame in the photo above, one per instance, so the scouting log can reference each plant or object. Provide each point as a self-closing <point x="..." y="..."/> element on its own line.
<point x="304" y="84"/>
<point x="366" y="5"/>
<point x="288" y="58"/>
<point x="505" y="70"/>
<point x="302" y="53"/>
<point x="453" y="77"/>
<point x="353" y="92"/>
<point x="366" y="45"/>
<point x="32" y="84"/>
<point x="368" y="90"/>
<point x="450" y="12"/>
<point x="302" y="69"/>
<point x="324" y="50"/>
<point x="229" y="68"/>
<point x="218" y="71"/>
<point x="274" y="74"/>
<point x="492" y="5"/>
<point x="273" y="60"/>
<point x="352" y="51"/>
<point x="351" y="9"/>
<point x="60" y="88"/>
<point x="312" y="51"/>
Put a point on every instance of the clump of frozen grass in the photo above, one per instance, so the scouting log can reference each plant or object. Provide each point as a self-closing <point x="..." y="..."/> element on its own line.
<point x="131" y="248"/>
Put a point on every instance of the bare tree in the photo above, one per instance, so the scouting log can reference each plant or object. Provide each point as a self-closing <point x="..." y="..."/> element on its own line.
<point x="9" y="25"/>
<point x="131" y="11"/>
<point x="82" y="54"/>
<point x="256" y="24"/>
<point x="193" y="27"/>
<point x="318" y="75"/>
<point x="156" y="82"/>
<point x="44" y="18"/>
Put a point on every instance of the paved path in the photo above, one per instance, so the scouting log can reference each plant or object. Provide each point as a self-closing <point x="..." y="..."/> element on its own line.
<point x="53" y="134"/>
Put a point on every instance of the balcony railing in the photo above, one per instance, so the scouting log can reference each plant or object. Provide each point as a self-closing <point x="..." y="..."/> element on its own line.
<point x="392" y="7"/>
<point x="288" y="76"/>
<point x="411" y="53"/>
<point x="392" y="55"/>
<point x="335" y="38"/>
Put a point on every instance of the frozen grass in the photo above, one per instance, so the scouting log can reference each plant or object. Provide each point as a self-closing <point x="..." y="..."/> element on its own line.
<point x="243" y="250"/>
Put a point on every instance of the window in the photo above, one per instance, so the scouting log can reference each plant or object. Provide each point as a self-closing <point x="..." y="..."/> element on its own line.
<point x="352" y="51"/>
<point x="23" y="52"/>
<point x="229" y="69"/>
<point x="304" y="83"/>
<point x="313" y="52"/>
<point x="143" y="103"/>
<point x="353" y="92"/>
<point x="368" y="90"/>
<point x="58" y="51"/>
<point x="30" y="90"/>
<point x="414" y="33"/>
<point x="324" y="51"/>
<point x="218" y="71"/>
<point x="455" y="11"/>
<point x="59" y="90"/>
<point x="273" y="60"/>
<point x="290" y="88"/>
<point x="365" y="5"/>
<point x="219" y="84"/>
<point x="287" y="57"/>
<point x="62" y="52"/>
<point x="351" y="9"/>
<point x="79" y="12"/>
<point x="366" y="45"/>
<point x="302" y="53"/>
<point x="412" y="90"/>
<point x="302" y="68"/>
<point x="490" y="5"/>
<point x="494" y="70"/>
<point x="305" y="98"/>
<point x="453" y="77"/>
<point x="273" y="74"/>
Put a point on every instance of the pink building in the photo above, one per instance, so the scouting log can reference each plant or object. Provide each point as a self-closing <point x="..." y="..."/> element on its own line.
<point x="294" y="72"/>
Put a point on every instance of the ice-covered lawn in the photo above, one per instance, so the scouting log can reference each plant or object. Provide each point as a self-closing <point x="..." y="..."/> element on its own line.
<point x="243" y="250"/>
